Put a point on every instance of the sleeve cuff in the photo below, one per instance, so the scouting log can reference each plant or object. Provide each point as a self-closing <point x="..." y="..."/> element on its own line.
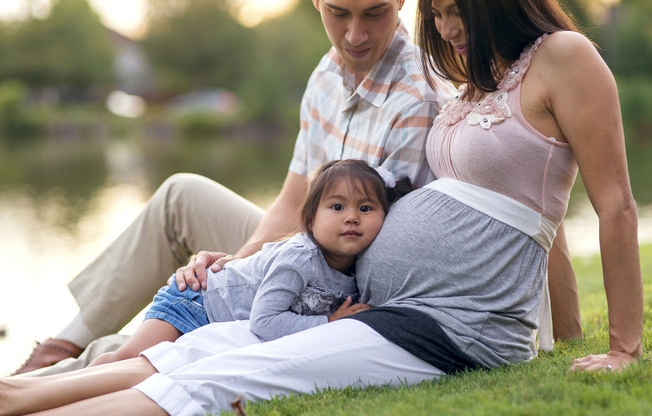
<point x="169" y="396"/>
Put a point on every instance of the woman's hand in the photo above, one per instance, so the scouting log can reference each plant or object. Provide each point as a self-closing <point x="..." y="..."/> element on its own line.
<point x="194" y="274"/>
<point x="347" y="309"/>
<point x="613" y="361"/>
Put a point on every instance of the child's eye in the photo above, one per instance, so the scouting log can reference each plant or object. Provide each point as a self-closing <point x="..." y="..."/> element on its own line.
<point x="337" y="207"/>
<point x="365" y="208"/>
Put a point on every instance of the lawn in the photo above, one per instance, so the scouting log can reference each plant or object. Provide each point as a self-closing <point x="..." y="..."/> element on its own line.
<point x="541" y="387"/>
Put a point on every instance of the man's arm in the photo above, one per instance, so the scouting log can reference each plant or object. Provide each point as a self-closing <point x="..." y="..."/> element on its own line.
<point x="281" y="219"/>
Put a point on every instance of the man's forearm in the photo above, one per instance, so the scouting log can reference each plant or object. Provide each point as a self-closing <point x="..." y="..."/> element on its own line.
<point x="282" y="218"/>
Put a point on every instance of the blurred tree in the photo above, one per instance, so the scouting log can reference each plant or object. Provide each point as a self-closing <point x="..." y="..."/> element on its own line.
<point x="16" y="120"/>
<point x="579" y="10"/>
<point x="627" y="38"/>
<point x="288" y="49"/>
<point x="68" y="49"/>
<point x="196" y="45"/>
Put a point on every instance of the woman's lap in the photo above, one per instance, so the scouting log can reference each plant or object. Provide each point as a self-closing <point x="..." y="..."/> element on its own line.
<point x="339" y="354"/>
<point x="208" y="368"/>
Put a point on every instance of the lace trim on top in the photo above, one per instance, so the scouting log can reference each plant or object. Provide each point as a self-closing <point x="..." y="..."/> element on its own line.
<point x="493" y="109"/>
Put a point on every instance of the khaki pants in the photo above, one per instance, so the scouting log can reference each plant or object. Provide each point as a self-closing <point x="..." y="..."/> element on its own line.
<point x="188" y="213"/>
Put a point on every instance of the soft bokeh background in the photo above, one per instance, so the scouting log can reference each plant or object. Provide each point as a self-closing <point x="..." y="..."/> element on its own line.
<point x="100" y="101"/>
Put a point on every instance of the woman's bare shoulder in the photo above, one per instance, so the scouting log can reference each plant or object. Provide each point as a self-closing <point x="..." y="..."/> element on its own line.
<point x="568" y="48"/>
<point x="565" y="38"/>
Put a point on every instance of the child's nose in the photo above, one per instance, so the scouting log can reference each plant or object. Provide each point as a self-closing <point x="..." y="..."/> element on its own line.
<point x="352" y="218"/>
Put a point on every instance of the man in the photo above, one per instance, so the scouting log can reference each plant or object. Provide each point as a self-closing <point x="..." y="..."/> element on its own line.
<point x="366" y="99"/>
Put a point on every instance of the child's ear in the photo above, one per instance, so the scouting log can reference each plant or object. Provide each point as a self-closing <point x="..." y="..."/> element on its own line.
<point x="310" y="226"/>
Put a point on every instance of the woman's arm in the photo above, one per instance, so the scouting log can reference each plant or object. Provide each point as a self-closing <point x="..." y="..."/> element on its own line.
<point x="583" y="98"/>
<point x="564" y="301"/>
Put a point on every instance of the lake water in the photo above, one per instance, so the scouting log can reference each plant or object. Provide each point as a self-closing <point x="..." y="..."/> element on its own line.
<point x="62" y="202"/>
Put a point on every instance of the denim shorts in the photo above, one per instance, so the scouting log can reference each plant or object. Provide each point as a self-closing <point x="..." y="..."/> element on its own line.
<point x="183" y="310"/>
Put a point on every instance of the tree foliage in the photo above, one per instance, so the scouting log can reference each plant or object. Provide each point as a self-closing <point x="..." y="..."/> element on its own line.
<point x="197" y="44"/>
<point x="68" y="48"/>
<point x="627" y="38"/>
<point x="624" y="36"/>
<point x="578" y="10"/>
<point x="16" y="120"/>
<point x="288" y="50"/>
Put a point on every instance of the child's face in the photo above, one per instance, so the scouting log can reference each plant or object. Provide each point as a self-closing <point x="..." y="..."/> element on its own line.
<point x="345" y="223"/>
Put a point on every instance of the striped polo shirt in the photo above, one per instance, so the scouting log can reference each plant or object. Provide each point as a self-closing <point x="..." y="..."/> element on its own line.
<point x="385" y="120"/>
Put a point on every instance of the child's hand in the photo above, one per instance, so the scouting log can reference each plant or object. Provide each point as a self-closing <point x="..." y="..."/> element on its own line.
<point x="347" y="309"/>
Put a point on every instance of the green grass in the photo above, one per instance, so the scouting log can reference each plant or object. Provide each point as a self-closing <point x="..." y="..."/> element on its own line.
<point x="541" y="387"/>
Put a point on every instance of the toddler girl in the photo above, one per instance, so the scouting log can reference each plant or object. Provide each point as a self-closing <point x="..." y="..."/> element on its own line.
<point x="290" y="285"/>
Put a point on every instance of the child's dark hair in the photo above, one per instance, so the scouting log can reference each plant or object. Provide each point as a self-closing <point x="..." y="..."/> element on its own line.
<point x="362" y="177"/>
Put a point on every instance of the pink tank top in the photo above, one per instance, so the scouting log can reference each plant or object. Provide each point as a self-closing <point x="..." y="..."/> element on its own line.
<point x="490" y="144"/>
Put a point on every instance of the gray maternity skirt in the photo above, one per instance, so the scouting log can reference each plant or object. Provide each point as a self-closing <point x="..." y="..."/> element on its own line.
<point x="456" y="286"/>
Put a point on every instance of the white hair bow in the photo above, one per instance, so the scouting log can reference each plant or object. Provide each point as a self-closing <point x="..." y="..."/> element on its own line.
<point x="388" y="177"/>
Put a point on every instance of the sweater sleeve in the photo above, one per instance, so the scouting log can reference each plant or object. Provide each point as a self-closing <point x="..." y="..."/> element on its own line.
<point x="284" y="280"/>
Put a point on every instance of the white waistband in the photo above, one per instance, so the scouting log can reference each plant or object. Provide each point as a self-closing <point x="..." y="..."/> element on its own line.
<point x="500" y="207"/>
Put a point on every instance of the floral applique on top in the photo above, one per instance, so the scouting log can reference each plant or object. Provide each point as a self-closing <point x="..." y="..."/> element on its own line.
<point x="493" y="109"/>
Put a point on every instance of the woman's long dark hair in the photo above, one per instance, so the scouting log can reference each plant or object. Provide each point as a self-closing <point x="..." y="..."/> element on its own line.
<point x="494" y="29"/>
